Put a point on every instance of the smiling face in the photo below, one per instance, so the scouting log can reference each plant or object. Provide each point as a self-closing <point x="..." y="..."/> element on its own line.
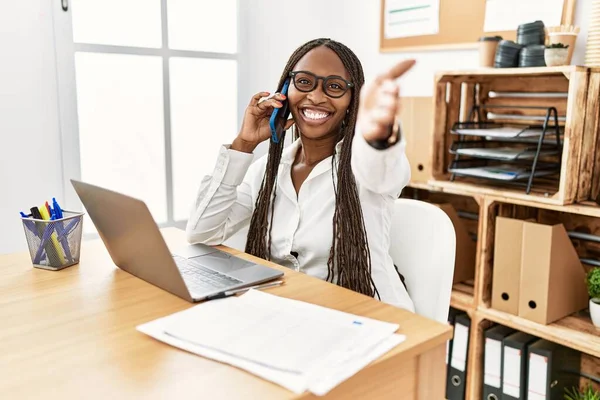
<point x="316" y="114"/>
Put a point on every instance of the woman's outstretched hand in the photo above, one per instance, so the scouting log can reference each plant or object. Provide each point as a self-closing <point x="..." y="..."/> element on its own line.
<point x="380" y="103"/>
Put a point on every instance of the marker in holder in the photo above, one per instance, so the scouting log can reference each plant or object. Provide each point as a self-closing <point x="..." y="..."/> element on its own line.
<point x="54" y="244"/>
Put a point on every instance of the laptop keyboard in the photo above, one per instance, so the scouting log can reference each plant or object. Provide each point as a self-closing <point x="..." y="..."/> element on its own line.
<point x="202" y="279"/>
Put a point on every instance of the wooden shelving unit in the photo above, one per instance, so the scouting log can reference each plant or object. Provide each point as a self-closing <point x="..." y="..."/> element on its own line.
<point x="575" y="331"/>
<point x="463" y="297"/>
<point x="572" y="91"/>
<point x="572" y="201"/>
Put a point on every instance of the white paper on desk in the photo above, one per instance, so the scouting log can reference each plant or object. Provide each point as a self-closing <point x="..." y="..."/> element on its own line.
<point x="339" y="361"/>
<point x="327" y="382"/>
<point x="280" y="333"/>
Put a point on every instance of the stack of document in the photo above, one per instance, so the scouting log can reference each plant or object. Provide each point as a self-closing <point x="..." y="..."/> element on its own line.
<point x="300" y="346"/>
<point x="501" y="172"/>
<point x="503" y="153"/>
<point x="504" y="132"/>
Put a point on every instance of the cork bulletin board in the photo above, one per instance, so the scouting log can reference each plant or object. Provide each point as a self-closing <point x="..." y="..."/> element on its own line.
<point x="415" y="25"/>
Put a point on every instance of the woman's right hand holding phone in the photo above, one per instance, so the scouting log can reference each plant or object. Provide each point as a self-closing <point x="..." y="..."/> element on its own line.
<point x="255" y="126"/>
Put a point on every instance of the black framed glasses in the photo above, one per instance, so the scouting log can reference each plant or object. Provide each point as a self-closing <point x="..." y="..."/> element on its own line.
<point x="333" y="86"/>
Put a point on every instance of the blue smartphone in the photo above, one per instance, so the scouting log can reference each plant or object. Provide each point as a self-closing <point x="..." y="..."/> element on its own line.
<point x="280" y="116"/>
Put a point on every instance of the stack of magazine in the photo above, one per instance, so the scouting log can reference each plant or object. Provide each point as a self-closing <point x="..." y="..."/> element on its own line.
<point x="497" y="159"/>
<point x="493" y="131"/>
<point x="502" y="172"/>
<point x="502" y="153"/>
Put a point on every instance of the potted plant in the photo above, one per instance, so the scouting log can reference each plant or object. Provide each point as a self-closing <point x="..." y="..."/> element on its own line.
<point x="556" y="54"/>
<point x="588" y="394"/>
<point x="593" y="284"/>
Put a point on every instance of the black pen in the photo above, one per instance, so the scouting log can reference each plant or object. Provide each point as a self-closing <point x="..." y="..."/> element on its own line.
<point x="229" y="293"/>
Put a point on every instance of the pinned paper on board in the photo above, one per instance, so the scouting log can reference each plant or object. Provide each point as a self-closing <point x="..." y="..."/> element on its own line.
<point x="417" y="25"/>
<point x="500" y="15"/>
<point x="405" y="18"/>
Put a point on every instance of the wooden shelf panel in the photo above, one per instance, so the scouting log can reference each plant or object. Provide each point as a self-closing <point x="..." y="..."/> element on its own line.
<point x="513" y="197"/>
<point x="590" y="209"/>
<point x="532" y="71"/>
<point x="575" y="331"/>
<point x="451" y="189"/>
<point x="566" y="70"/>
<point x="474" y="189"/>
<point x="462" y="297"/>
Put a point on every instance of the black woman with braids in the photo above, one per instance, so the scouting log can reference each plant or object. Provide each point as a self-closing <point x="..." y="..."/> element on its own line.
<point x="323" y="204"/>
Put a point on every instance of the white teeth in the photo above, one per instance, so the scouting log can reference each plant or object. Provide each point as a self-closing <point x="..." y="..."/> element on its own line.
<point x="314" y="115"/>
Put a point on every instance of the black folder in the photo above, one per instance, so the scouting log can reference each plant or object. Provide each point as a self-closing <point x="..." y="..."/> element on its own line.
<point x="492" y="372"/>
<point x="514" y="368"/>
<point x="451" y="318"/>
<point x="552" y="368"/>
<point x="456" y="382"/>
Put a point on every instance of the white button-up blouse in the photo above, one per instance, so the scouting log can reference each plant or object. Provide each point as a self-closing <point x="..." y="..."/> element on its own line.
<point x="303" y="223"/>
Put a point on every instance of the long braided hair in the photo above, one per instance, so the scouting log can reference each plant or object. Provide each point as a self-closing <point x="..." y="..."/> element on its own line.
<point x="349" y="253"/>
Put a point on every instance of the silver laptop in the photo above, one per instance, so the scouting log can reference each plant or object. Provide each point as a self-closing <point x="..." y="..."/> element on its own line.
<point x="136" y="245"/>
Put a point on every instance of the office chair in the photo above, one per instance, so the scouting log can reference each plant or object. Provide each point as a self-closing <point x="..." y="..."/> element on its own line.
<point x="423" y="247"/>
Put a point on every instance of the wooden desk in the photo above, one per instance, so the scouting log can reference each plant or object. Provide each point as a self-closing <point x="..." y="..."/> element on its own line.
<point x="71" y="335"/>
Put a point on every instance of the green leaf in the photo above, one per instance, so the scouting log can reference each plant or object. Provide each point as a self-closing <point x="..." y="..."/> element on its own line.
<point x="557" y="46"/>
<point x="592" y="281"/>
<point x="576" y="394"/>
<point x="573" y="394"/>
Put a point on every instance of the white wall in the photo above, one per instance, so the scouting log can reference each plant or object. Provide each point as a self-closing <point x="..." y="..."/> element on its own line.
<point x="30" y="160"/>
<point x="270" y="30"/>
<point x="268" y="41"/>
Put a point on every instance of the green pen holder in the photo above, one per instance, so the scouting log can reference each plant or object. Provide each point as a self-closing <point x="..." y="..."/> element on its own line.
<point x="55" y="244"/>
